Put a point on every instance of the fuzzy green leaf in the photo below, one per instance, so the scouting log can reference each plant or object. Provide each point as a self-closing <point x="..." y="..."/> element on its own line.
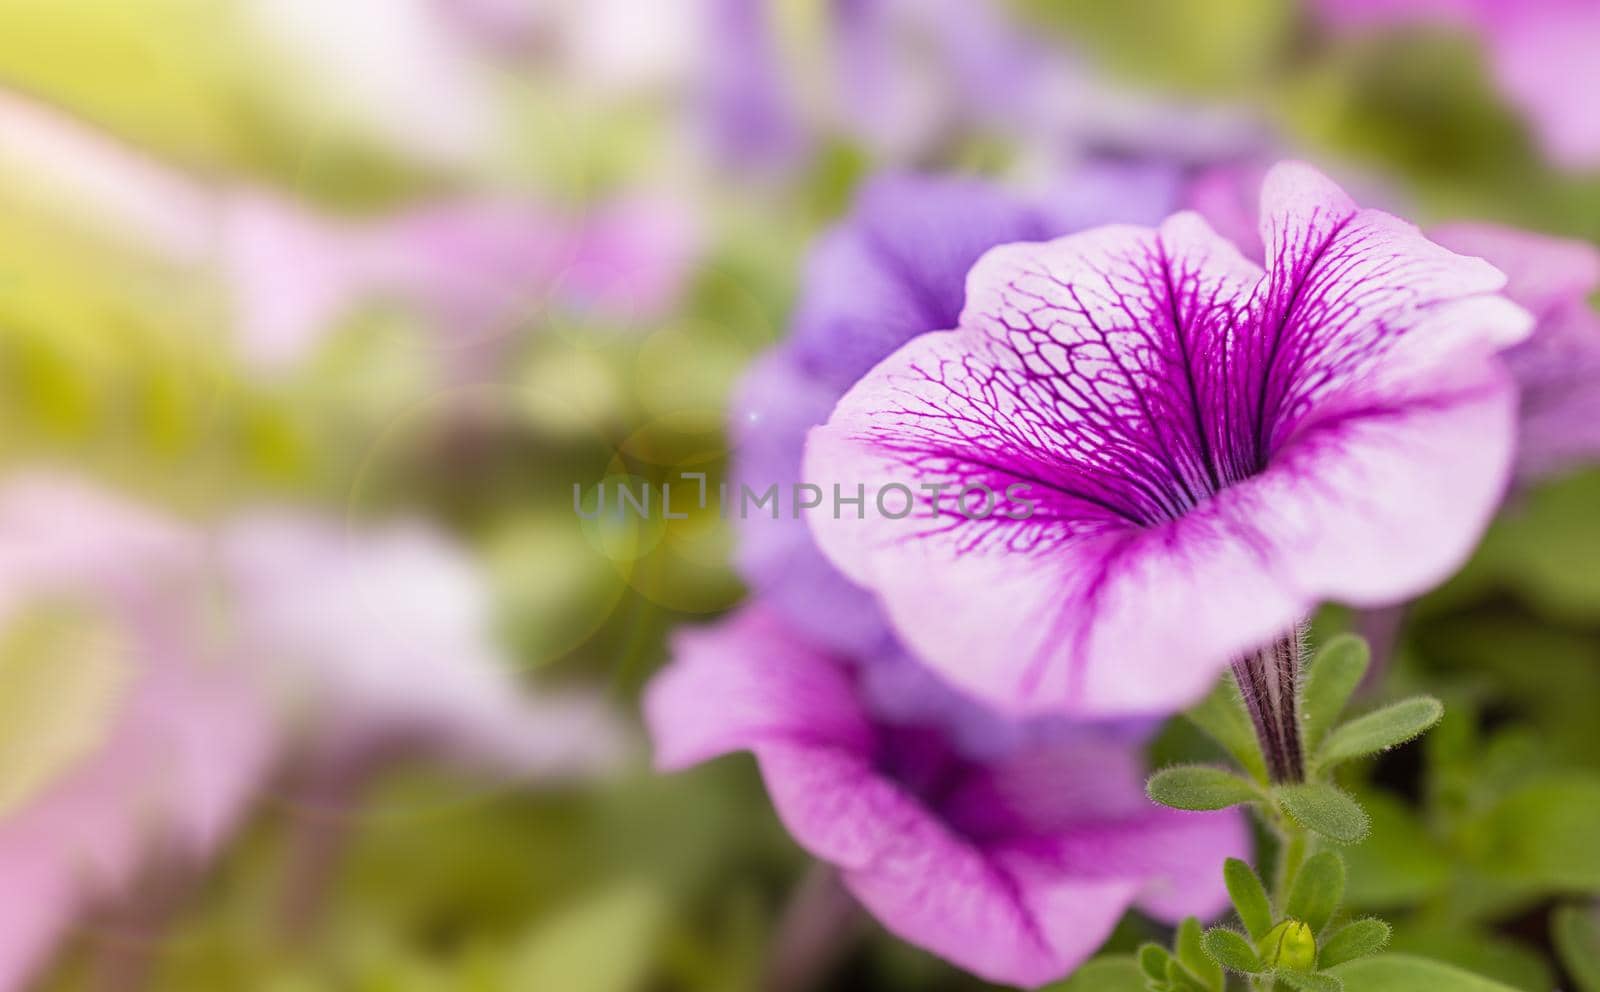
<point x="1200" y="787"/>
<point x="1317" y="891"/>
<point x="1113" y="973"/>
<point x="1381" y="730"/>
<point x="1249" y="897"/>
<point x="1354" y="940"/>
<point x="1192" y="953"/>
<point x="1308" y="982"/>
<point x="1404" y="973"/>
<point x="1153" y="960"/>
<point x="1231" y="951"/>
<point x="1222" y="717"/>
<point x="1576" y="932"/>
<point x="1324" y="809"/>
<point x="1333" y="675"/>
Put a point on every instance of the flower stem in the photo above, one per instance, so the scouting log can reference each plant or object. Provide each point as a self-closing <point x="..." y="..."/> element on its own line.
<point x="1268" y="679"/>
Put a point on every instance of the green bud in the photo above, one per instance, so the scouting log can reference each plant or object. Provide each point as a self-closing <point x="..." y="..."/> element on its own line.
<point x="1290" y="945"/>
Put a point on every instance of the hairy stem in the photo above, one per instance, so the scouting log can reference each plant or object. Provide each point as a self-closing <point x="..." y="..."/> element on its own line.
<point x="1268" y="679"/>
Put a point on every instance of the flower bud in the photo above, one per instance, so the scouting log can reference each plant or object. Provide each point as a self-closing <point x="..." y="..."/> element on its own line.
<point x="1290" y="945"/>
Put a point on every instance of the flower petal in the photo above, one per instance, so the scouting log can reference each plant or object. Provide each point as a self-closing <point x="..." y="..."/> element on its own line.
<point x="1209" y="452"/>
<point x="746" y="682"/>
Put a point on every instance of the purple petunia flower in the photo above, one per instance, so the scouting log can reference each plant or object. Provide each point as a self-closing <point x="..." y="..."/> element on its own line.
<point x="894" y="269"/>
<point x="1541" y="51"/>
<point x="1015" y="867"/>
<point x="1208" y="449"/>
<point x="1558" y="368"/>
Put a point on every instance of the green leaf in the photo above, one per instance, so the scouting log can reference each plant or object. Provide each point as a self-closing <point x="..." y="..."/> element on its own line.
<point x="1153" y="960"/>
<point x="1318" y="889"/>
<point x="1249" y="897"/>
<point x="1310" y="982"/>
<point x="1222" y="717"/>
<point x="1576" y="932"/>
<point x="1231" y="951"/>
<point x="1114" y="973"/>
<point x="1403" y="973"/>
<point x="1192" y="953"/>
<point x="1542" y="836"/>
<point x="1333" y="675"/>
<point x="1380" y="730"/>
<point x="1324" y="809"/>
<point x="1355" y="940"/>
<point x="1200" y="787"/>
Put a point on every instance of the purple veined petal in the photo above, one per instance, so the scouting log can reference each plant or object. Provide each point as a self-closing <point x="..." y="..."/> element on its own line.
<point x="1015" y="870"/>
<point x="1558" y="368"/>
<point x="1211" y="451"/>
<point x="1006" y="919"/>
<point x="745" y="683"/>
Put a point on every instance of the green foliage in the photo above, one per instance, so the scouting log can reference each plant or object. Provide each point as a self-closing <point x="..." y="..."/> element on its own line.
<point x="1317" y="891"/>
<point x="1380" y="730"/>
<point x="1232" y="951"/>
<point x="1200" y="787"/>
<point x="1191" y="953"/>
<point x="1331" y="677"/>
<point x="1357" y="939"/>
<point x="1403" y="973"/>
<point x="1325" y="810"/>
<point x="1221" y="716"/>
<point x="1249" y="897"/>
<point x="1576" y="932"/>
<point x="1108" y="974"/>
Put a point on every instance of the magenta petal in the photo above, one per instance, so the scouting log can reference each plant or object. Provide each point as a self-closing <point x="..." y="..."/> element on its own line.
<point x="1016" y="871"/>
<point x="1211" y="451"/>
<point x="745" y="683"/>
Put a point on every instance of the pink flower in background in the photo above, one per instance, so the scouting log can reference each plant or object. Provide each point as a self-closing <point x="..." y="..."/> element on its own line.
<point x="472" y="268"/>
<point x="1542" y="53"/>
<point x="381" y="641"/>
<point x="186" y="741"/>
<point x="1558" y="367"/>
<point x="1212" y="449"/>
<point x="1015" y="866"/>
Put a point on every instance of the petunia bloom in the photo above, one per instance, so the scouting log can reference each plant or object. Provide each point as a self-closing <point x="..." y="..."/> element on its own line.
<point x="1015" y="868"/>
<point x="1205" y="450"/>
<point x="893" y="269"/>
<point x="1541" y="51"/>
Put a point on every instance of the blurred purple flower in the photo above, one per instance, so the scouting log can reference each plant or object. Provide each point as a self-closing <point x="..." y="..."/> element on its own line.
<point x="1015" y="868"/>
<point x="188" y="741"/>
<point x="908" y="79"/>
<point x="1212" y="449"/>
<point x="1541" y="51"/>
<point x="382" y="642"/>
<point x="470" y="267"/>
<point x="894" y="269"/>
<point x="1558" y="368"/>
